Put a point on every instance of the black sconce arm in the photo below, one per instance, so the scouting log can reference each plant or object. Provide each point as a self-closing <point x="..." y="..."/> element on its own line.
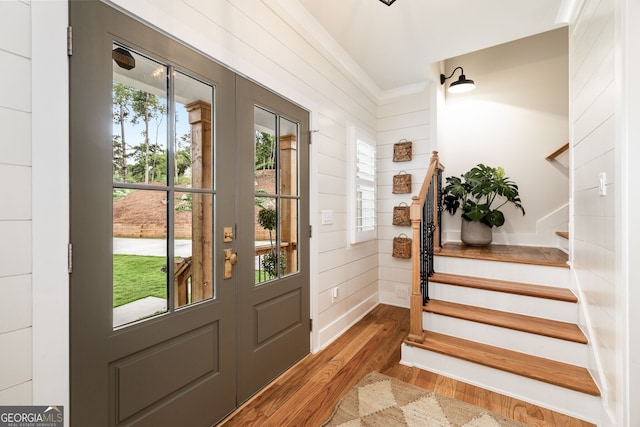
<point x="443" y="78"/>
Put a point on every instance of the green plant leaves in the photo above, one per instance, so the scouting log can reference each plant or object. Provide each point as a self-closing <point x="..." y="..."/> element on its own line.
<point x="477" y="190"/>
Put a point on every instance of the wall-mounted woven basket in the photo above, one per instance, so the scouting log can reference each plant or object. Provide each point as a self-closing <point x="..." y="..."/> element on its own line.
<point x="401" y="247"/>
<point x="402" y="214"/>
<point x="402" y="151"/>
<point x="402" y="183"/>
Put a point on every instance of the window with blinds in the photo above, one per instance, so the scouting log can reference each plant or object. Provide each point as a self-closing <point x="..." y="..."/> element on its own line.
<point x="363" y="193"/>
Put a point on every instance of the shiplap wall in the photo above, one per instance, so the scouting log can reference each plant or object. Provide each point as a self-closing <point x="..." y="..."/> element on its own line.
<point x="593" y="121"/>
<point x="408" y="117"/>
<point x="15" y="205"/>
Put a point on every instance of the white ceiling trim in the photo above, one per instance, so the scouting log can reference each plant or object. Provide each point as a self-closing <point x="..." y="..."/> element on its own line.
<point x="403" y="91"/>
<point x="568" y="10"/>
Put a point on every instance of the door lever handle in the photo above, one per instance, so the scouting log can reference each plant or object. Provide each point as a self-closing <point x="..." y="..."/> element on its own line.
<point x="230" y="259"/>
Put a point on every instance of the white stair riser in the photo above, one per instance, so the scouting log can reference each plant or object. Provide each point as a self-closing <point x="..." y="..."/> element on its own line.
<point x="569" y="402"/>
<point x="512" y="303"/>
<point x="523" y="342"/>
<point x="525" y="273"/>
<point x="563" y="244"/>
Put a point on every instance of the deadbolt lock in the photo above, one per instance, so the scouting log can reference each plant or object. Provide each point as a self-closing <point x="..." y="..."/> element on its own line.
<point x="227" y="234"/>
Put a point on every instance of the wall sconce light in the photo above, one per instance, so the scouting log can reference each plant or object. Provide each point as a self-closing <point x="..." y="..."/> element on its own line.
<point x="463" y="84"/>
<point x="388" y="2"/>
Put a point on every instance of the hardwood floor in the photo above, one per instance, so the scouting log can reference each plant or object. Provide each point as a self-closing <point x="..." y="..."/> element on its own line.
<point x="306" y="394"/>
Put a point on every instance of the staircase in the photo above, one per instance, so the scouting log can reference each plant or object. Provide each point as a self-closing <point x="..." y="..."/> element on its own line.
<point x="504" y="319"/>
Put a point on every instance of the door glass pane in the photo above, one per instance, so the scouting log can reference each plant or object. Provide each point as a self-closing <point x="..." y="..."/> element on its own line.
<point x="265" y="151"/>
<point x="193" y="248"/>
<point x="288" y="161"/>
<point x="193" y="150"/>
<point x="139" y="255"/>
<point x="193" y="160"/>
<point x="289" y="235"/>
<point x="139" y="118"/>
<point x="266" y="238"/>
<point x="288" y="172"/>
<point x="266" y="222"/>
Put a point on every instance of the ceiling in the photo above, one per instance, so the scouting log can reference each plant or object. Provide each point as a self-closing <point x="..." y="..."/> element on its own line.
<point x="395" y="45"/>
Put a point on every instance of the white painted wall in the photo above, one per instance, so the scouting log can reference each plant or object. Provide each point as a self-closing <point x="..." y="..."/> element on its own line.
<point x="593" y="120"/>
<point x="15" y="210"/>
<point x="34" y="213"/>
<point x="627" y="226"/>
<point x="604" y="99"/>
<point x="516" y="116"/>
<point x="50" y="161"/>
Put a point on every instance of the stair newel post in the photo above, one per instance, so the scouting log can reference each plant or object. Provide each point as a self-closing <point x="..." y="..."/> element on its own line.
<point x="416" y="332"/>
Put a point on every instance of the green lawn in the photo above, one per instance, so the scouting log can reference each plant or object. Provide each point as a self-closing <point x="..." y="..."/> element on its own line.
<point x="136" y="277"/>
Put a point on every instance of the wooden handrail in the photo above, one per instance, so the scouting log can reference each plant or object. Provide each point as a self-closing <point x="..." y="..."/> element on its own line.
<point x="416" y="332"/>
<point x="559" y="151"/>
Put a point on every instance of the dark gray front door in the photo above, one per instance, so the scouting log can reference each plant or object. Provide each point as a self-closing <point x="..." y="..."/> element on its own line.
<point x="189" y="198"/>
<point x="273" y="315"/>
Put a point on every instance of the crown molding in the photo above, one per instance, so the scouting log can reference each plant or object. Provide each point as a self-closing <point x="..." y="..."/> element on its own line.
<point x="568" y="11"/>
<point x="303" y="23"/>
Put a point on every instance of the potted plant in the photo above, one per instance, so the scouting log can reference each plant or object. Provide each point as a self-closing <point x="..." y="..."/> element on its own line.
<point x="480" y="192"/>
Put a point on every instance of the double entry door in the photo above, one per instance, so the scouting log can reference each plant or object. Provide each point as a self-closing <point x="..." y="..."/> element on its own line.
<point x="189" y="229"/>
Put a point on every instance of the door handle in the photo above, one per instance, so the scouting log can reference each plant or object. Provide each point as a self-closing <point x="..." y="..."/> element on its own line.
<point x="230" y="259"/>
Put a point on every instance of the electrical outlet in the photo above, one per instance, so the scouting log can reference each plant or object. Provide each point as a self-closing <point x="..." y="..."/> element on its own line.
<point x="402" y="291"/>
<point x="327" y="217"/>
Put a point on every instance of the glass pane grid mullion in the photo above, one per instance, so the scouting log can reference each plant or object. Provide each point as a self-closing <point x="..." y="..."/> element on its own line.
<point x="171" y="132"/>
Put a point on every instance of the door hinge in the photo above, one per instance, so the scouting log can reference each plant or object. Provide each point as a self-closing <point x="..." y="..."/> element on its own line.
<point x="310" y="324"/>
<point x="310" y="231"/>
<point x="69" y="258"/>
<point x="69" y="41"/>
<point x="311" y="132"/>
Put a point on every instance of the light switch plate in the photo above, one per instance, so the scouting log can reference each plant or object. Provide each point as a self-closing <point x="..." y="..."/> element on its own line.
<point x="327" y="217"/>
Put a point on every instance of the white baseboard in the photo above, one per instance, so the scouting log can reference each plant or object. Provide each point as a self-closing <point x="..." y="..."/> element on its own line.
<point x="340" y="325"/>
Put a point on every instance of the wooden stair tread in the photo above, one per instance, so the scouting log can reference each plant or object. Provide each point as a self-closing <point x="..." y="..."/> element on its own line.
<point x="563" y="234"/>
<point x="539" y="291"/>
<point x="552" y="372"/>
<point x="551" y="257"/>
<point x="518" y="322"/>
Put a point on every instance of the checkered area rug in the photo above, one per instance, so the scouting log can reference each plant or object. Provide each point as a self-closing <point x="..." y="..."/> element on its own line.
<point x="381" y="401"/>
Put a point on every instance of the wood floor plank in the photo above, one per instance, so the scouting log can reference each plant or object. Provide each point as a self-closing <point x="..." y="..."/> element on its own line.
<point x="373" y="345"/>
<point x="535" y="325"/>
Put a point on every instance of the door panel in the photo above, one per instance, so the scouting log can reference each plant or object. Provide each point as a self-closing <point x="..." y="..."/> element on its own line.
<point x="273" y="303"/>
<point x="173" y="363"/>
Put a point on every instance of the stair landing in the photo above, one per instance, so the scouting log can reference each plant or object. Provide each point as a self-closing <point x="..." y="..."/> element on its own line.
<point x="534" y="255"/>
